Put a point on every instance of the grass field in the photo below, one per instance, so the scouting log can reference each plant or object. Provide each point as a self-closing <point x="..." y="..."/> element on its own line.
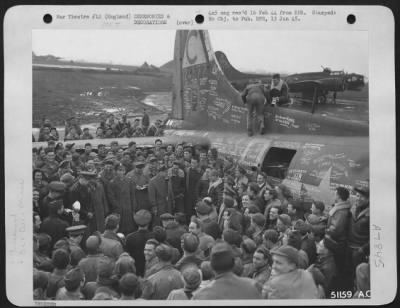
<point x="57" y="94"/>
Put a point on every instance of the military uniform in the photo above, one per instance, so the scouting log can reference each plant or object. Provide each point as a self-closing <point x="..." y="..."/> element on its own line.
<point x="77" y="252"/>
<point x="158" y="197"/>
<point x="56" y="281"/>
<point x="176" y="187"/>
<point x="100" y="206"/>
<point x="111" y="245"/>
<point x="164" y="281"/>
<point x="174" y="232"/>
<point x="50" y="170"/>
<point x="215" y="192"/>
<point x="64" y="294"/>
<point x="254" y="98"/>
<point x="44" y="206"/>
<point x="92" y="199"/>
<point x="135" y="243"/>
<point x="88" y="266"/>
<point x="229" y="286"/>
<point x="193" y="177"/>
<point x="151" y="267"/>
<point x="210" y="226"/>
<point x="106" y="177"/>
<point x="55" y="186"/>
<point x="54" y="225"/>
<point x="261" y="275"/>
<point x="279" y="92"/>
<point x="297" y="284"/>
<point x="122" y="196"/>
<point x="141" y="181"/>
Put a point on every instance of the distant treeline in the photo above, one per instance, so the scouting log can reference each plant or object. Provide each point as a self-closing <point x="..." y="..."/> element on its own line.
<point x="106" y="71"/>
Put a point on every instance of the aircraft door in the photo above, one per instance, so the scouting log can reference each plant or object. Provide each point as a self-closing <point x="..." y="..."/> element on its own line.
<point x="276" y="163"/>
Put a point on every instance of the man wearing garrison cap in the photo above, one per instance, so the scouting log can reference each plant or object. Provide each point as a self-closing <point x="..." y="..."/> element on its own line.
<point x="73" y="281"/>
<point x="90" y="193"/>
<point x="190" y="246"/>
<point x="192" y="278"/>
<point x="248" y="247"/>
<point x="107" y="175"/>
<point x="123" y="199"/>
<point x="111" y="245"/>
<point x="54" y="225"/>
<point x="88" y="265"/>
<point x="257" y="224"/>
<point x="61" y="260"/>
<point x="85" y="156"/>
<point x="75" y="236"/>
<point x="70" y="147"/>
<point x="173" y="230"/>
<point x="136" y="241"/>
<point x="142" y="182"/>
<point x="56" y="192"/>
<point x="151" y="168"/>
<point x="64" y="167"/>
<point x="129" y="285"/>
<point x="177" y="187"/>
<point x="283" y="226"/>
<point x="158" y="195"/>
<point x="307" y="243"/>
<point x="193" y="176"/>
<point x="105" y="282"/>
<point x="50" y="167"/>
<point x="210" y="227"/>
<point x="206" y="241"/>
<point x="226" y="284"/>
<point x="253" y="190"/>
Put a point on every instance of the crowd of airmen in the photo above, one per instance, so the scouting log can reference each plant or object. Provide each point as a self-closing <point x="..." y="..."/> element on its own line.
<point x="109" y="127"/>
<point x="179" y="222"/>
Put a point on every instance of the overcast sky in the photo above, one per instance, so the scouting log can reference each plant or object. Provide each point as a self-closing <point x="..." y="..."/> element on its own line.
<point x="273" y="51"/>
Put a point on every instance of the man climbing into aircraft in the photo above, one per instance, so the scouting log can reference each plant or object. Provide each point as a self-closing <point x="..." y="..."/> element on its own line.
<point x="254" y="97"/>
<point x="279" y="92"/>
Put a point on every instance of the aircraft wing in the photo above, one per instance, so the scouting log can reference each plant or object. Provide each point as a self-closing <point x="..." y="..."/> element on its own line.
<point x="307" y="86"/>
<point x="302" y="85"/>
<point x="140" y="141"/>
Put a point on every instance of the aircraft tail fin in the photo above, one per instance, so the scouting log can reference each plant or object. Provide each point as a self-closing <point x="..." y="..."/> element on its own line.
<point x="202" y="95"/>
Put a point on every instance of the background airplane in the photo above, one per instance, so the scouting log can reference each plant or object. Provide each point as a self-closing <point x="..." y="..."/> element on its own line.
<point x="317" y="85"/>
<point x="314" y="86"/>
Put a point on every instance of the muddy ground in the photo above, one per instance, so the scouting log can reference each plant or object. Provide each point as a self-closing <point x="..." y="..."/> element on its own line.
<point x="61" y="94"/>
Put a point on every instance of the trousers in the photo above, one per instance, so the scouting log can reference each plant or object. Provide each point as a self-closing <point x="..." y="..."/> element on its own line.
<point x="255" y="103"/>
